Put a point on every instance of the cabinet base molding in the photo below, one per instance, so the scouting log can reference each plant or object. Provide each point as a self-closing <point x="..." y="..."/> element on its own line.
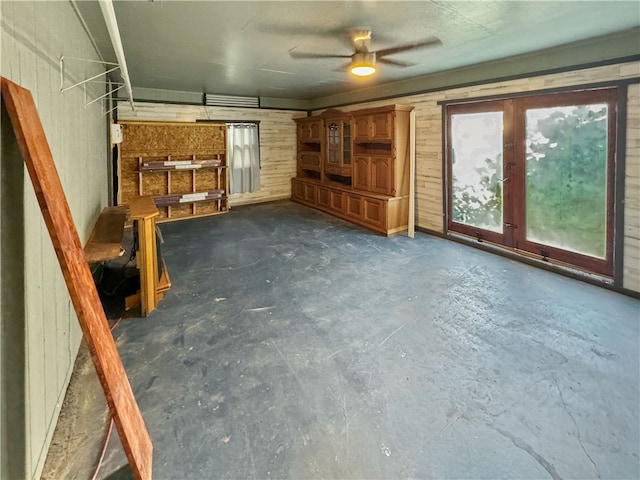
<point x="381" y="213"/>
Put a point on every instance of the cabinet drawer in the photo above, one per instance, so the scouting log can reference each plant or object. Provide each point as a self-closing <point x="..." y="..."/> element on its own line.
<point x="309" y="160"/>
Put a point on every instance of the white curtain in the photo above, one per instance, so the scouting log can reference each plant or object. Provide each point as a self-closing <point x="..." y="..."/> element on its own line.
<point x="243" y="154"/>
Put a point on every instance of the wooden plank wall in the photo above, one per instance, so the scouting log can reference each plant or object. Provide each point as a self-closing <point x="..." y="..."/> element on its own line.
<point x="429" y="155"/>
<point x="277" y="140"/>
<point x="34" y="35"/>
<point x="631" y="272"/>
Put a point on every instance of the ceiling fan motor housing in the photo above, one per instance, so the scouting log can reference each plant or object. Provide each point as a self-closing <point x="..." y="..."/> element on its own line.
<point x="363" y="58"/>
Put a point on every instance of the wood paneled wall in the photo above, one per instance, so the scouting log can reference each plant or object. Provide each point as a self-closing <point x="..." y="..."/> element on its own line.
<point x="34" y="35"/>
<point x="277" y="140"/>
<point x="631" y="271"/>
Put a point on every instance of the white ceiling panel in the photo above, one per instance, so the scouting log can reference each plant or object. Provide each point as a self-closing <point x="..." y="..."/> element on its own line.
<point x="242" y="47"/>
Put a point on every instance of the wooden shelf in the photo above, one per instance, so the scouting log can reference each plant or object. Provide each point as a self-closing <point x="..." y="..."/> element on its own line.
<point x="177" y="199"/>
<point x="163" y="166"/>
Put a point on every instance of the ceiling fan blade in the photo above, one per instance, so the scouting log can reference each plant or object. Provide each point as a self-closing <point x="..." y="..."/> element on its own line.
<point x="395" y="63"/>
<point x="294" y="54"/>
<point x="432" y="42"/>
<point x="343" y="68"/>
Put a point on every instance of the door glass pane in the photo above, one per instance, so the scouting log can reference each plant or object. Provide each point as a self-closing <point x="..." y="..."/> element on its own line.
<point x="477" y="169"/>
<point x="333" y="144"/>
<point x="346" y="140"/>
<point x="566" y="177"/>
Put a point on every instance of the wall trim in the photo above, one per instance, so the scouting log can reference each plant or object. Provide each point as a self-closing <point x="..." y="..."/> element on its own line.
<point x="545" y="91"/>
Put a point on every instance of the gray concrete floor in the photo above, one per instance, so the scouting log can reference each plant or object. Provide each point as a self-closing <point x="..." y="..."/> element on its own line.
<point x="295" y="345"/>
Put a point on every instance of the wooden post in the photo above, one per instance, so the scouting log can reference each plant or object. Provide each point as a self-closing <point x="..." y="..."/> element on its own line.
<point x="412" y="174"/>
<point x="144" y="211"/>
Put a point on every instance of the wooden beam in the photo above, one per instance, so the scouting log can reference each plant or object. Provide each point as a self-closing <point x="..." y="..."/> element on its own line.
<point x="95" y="328"/>
<point x="411" y="230"/>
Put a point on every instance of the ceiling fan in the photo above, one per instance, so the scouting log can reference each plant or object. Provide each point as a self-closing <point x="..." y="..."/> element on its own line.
<point x="363" y="60"/>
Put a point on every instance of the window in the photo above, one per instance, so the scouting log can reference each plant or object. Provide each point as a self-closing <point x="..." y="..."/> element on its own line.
<point x="536" y="174"/>
<point x="243" y="154"/>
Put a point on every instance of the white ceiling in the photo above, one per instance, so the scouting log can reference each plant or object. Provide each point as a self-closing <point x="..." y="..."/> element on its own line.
<point x="242" y="47"/>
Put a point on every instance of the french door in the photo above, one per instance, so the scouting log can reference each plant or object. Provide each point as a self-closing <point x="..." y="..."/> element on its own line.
<point x="536" y="174"/>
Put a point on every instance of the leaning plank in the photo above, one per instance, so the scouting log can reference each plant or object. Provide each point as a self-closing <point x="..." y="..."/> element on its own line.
<point x="57" y="216"/>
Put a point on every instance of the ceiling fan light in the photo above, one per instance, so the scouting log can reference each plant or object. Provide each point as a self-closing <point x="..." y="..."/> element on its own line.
<point x="363" y="69"/>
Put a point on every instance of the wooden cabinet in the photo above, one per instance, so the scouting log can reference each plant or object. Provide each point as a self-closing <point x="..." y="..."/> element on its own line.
<point x="382" y="138"/>
<point x="359" y="170"/>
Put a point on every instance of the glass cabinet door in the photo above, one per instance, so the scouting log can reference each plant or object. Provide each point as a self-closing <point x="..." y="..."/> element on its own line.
<point x="333" y="144"/>
<point x="346" y="143"/>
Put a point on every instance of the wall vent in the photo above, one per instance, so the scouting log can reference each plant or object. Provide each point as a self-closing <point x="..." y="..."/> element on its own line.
<point x="231" y="101"/>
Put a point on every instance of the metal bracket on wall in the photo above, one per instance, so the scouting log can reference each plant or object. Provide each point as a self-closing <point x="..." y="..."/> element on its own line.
<point x="112" y="87"/>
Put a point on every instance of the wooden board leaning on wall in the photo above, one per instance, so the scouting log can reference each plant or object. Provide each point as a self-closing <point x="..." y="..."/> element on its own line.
<point x="152" y="143"/>
<point x="38" y="159"/>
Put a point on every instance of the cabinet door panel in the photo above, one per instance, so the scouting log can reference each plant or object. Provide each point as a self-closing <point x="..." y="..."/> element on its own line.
<point x="337" y="201"/>
<point x="309" y="161"/>
<point x="303" y="132"/>
<point x="375" y="212"/>
<point x="297" y="190"/>
<point x="354" y="206"/>
<point x="315" y="130"/>
<point x="362" y="127"/>
<point x="310" y="193"/>
<point x="382" y="175"/>
<point x="324" y="199"/>
<point x="362" y="173"/>
<point x="381" y="126"/>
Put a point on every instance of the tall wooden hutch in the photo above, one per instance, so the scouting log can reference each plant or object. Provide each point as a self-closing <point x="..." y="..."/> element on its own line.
<point x="355" y="165"/>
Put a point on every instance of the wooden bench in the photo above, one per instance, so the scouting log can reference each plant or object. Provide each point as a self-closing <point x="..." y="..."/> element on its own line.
<point x="105" y="241"/>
